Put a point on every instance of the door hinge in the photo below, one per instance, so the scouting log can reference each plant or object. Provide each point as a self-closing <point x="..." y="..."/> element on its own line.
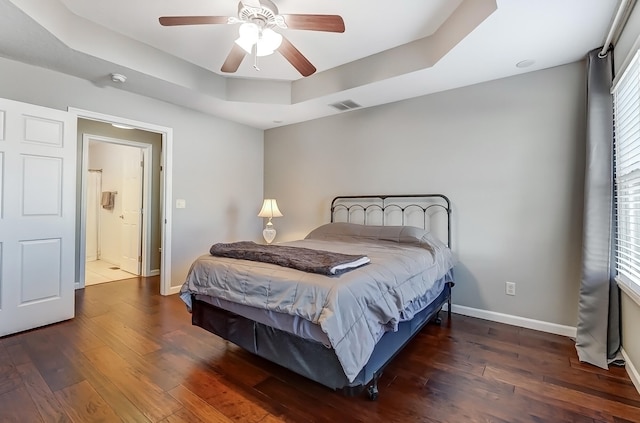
<point x="141" y="163"/>
<point x="139" y="259"/>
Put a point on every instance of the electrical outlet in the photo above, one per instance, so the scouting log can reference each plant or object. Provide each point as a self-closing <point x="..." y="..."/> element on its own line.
<point x="510" y="288"/>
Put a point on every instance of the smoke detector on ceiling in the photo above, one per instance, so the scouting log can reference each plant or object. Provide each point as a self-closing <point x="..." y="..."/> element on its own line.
<point x="118" y="77"/>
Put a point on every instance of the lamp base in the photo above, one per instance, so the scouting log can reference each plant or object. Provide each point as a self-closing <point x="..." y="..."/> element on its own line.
<point x="269" y="234"/>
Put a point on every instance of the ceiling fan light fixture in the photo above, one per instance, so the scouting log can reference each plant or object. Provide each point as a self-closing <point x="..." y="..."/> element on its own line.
<point x="249" y="31"/>
<point x="266" y="41"/>
<point x="246" y="44"/>
<point x="269" y="42"/>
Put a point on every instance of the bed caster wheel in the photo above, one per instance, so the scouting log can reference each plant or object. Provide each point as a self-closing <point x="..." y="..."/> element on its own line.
<point x="438" y="320"/>
<point x="372" y="393"/>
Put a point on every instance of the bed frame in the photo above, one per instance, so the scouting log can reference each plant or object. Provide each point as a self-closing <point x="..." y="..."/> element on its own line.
<point x="312" y="359"/>
<point x="421" y="210"/>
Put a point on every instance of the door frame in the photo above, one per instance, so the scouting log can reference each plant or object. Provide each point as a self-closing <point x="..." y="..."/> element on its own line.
<point x="166" y="195"/>
<point x="145" y="222"/>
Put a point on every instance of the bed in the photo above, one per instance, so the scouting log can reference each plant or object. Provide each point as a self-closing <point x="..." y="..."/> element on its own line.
<point x="337" y="325"/>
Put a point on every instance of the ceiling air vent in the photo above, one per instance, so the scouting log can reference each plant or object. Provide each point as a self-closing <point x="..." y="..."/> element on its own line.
<point x="345" y="105"/>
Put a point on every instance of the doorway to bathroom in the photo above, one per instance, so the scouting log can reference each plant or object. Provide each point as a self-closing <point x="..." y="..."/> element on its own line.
<point x="115" y="188"/>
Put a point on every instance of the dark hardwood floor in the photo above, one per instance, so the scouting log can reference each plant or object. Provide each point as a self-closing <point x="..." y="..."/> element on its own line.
<point x="132" y="355"/>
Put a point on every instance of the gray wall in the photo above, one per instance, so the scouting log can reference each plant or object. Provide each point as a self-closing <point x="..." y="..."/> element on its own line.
<point x="217" y="164"/>
<point x="508" y="153"/>
<point x="630" y="310"/>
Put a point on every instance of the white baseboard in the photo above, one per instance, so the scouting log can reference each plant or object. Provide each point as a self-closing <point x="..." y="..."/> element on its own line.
<point x="154" y="272"/>
<point x="174" y="289"/>
<point x="568" y="331"/>
<point x="631" y="370"/>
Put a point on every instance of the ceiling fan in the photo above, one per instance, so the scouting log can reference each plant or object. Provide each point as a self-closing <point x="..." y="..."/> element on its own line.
<point x="258" y="19"/>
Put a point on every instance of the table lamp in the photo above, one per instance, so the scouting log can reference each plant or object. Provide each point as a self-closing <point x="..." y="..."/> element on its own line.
<point x="270" y="210"/>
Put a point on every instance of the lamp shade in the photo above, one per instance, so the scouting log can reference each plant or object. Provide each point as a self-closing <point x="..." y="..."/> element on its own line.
<point x="270" y="209"/>
<point x="266" y="40"/>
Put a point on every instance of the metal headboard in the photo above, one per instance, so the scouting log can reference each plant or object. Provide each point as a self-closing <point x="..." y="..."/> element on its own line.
<point x="414" y="210"/>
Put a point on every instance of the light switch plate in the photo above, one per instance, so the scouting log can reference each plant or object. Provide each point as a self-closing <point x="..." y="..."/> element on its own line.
<point x="181" y="204"/>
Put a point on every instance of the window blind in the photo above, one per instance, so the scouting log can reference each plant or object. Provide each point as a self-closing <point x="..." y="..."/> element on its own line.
<point x="626" y="119"/>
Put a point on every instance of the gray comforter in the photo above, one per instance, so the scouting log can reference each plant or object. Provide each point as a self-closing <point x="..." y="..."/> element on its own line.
<point x="352" y="309"/>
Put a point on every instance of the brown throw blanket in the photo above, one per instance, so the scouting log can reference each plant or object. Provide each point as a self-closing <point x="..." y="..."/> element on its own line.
<point x="305" y="259"/>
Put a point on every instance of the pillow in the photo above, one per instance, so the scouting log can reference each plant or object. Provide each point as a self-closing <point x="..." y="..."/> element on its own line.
<point x="401" y="234"/>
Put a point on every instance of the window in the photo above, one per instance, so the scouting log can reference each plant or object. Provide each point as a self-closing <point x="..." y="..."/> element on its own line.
<point x="626" y="110"/>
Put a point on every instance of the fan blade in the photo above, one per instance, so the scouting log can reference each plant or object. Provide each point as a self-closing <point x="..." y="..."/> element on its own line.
<point x="192" y="20"/>
<point x="232" y="63"/>
<point x="296" y="58"/>
<point x="328" y="23"/>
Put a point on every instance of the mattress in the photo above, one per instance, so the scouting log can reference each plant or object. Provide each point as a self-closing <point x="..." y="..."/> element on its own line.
<point x="305" y="329"/>
<point x="407" y="270"/>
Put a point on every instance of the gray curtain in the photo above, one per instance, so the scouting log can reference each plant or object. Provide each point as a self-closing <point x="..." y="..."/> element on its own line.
<point x="598" y="331"/>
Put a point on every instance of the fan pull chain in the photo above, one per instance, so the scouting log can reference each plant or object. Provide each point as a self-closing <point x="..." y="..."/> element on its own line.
<point x="255" y="57"/>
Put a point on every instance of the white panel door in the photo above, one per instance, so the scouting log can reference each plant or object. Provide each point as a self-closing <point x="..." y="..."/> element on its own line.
<point x="37" y="216"/>
<point x="131" y="210"/>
